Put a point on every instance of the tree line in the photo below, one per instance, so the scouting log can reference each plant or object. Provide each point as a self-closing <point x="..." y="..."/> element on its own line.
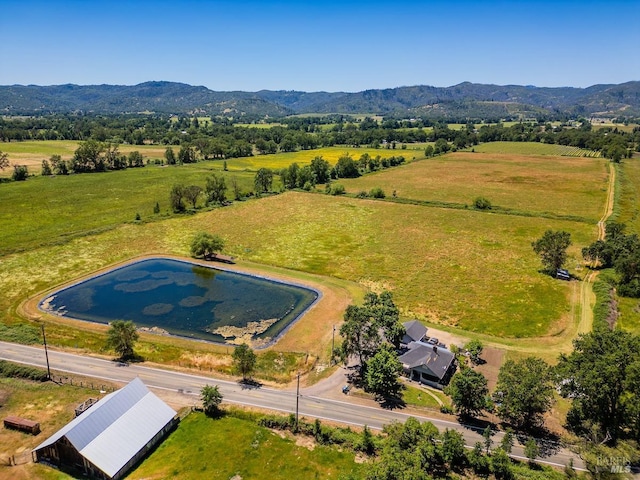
<point x="213" y="138"/>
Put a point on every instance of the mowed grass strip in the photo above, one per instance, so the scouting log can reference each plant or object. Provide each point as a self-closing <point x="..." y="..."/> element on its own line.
<point x="46" y="210"/>
<point x="534" y="184"/>
<point x="627" y="211"/>
<point x="228" y="447"/>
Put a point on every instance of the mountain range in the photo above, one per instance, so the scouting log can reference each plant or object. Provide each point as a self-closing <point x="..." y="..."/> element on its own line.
<point x="466" y="100"/>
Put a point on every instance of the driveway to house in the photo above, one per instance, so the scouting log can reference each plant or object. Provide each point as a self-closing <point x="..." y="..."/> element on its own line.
<point x="184" y="389"/>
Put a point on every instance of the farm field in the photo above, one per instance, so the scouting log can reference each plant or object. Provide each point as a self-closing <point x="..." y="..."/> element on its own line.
<point x="31" y="153"/>
<point x="303" y="157"/>
<point x="469" y="269"/>
<point x="257" y="453"/>
<point x="457" y="268"/>
<point x="535" y="184"/>
<point x="52" y="209"/>
<point x="534" y="148"/>
<point x="620" y="126"/>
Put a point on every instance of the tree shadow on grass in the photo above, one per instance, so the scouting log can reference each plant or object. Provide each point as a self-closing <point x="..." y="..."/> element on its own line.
<point x="215" y="414"/>
<point x="393" y="400"/>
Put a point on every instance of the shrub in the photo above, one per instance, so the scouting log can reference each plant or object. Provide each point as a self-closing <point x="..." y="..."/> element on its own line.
<point x="19" y="333"/>
<point x="20" y="173"/>
<point x="8" y="369"/>
<point x="377" y="192"/>
<point x="362" y="194"/>
<point x="337" y="189"/>
<point x="446" y="409"/>
<point x="482" y="203"/>
<point x="277" y="422"/>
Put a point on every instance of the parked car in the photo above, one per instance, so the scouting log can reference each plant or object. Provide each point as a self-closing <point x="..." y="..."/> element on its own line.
<point x="433" y="341"/>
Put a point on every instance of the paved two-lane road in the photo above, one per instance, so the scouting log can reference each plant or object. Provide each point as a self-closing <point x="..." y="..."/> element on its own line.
<point x="189" y="386"/>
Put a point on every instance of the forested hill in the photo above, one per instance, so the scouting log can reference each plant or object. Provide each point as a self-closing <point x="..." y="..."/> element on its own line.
<point x="464" y="100"/>
<point x="159" y="97"/>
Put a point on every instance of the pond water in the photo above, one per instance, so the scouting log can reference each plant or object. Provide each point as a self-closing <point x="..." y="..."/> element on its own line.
<point x="181" y="298"/>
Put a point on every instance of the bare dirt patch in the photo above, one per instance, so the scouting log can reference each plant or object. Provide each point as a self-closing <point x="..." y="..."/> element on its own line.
<point x="493" y="360"/>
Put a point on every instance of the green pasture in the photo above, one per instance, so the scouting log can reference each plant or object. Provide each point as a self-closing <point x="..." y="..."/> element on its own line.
<point x="534" y="148"/>
<point x="570" y="186"/>
<point x="474" y="270"/>
<point x="627" y="211"/>
<point x="45" y="210"/>
<point x="471" y="269"/>
<point x="44" y="148"/>
<point x="303" y="157"/>
<point x="627" y="208"/>
<point x="202" y="447"/>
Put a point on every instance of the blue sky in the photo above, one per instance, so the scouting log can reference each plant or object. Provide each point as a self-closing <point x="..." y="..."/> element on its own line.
<point x="320" y="45"/>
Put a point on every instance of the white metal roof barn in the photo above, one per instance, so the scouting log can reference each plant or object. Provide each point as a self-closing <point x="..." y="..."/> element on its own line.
<point x="112" y="435"/>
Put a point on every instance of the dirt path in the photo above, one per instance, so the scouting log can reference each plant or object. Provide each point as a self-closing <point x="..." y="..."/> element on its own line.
<point x="587" y="297"/>
<point x="608" y="210"/>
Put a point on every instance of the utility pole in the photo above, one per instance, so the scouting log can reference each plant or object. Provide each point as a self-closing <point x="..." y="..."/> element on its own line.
<point x="333" y="344"/>
<point x="297" y="400"/>
<point x="46" y="353"/>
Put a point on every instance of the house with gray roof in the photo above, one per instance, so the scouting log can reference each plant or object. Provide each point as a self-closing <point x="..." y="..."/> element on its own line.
<point x="414" y="332"/>
<point x="428" y="364"/>
<point x="112" y="435"/>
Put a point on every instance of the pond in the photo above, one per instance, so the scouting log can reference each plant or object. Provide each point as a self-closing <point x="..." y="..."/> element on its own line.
<point x="181" y="298"/>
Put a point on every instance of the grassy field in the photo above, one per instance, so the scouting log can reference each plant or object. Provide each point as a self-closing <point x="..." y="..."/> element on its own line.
<point x="534" y="148"/>
<point x="620" y="126"/>
<point x="257" y="453"/>
<point x="628" y="212"/>
<point x="459" y="268"/>
<point x="31" y="153"/>
<point x="536" y="184"/>
<point x="52" y="209"/>
<point x="304" y="157"/>
<point x="442" y="273"/>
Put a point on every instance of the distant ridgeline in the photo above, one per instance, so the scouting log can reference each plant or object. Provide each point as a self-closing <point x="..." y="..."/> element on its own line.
<point x="466" y="101"/>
